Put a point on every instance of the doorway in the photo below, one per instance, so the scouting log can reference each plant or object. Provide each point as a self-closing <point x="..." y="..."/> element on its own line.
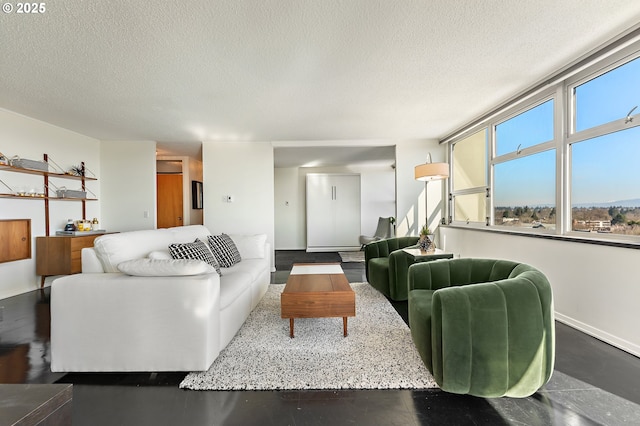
<point x="169" y="190"/>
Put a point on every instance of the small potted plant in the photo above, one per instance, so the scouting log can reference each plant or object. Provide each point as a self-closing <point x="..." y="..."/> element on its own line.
<point x="425" y="242"/>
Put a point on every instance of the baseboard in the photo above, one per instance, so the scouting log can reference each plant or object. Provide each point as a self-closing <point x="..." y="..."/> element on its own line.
<point x="328" y="249"/>
<point x="600" y="335"/>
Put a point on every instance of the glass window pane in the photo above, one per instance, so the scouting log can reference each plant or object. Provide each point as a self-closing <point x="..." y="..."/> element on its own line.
<point x="470" y="207"/>
<point x="605" y="184"/>
<point x="524" y="191"/>
<point x="470" y="162"/>
<point x="608" y="97"/>
<point x="527" y="129"/>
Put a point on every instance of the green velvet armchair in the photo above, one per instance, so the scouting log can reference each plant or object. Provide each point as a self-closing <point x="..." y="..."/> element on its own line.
<point x="386" y="267"/>
<point x="483" y="327"/>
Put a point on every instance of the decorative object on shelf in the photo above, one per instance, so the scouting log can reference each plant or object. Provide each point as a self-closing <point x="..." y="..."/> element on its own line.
<point x="63" y="192"/>
<point x="4" y="160"/>
<point x="70" y="226"/>
<point x="76" y="171"/>
<point x="428" y="172"/>
<point x="84" y="225"/>
<point x="95" y="225"/>
<point x="425" y="243"/>
<point x="23" y="163"/>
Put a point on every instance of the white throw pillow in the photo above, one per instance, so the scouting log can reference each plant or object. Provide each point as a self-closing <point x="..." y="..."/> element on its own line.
<point x="165" y="267"/>
<point x="160" y="255"/>
<point x="250" y="246"/>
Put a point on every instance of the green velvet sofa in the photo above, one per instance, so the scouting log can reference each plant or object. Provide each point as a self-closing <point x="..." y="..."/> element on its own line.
<point x="386" y="265"/>
<point x="483" y="327"/>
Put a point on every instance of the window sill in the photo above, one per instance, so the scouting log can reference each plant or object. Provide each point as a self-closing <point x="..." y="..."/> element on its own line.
<point x="567" y="238"/>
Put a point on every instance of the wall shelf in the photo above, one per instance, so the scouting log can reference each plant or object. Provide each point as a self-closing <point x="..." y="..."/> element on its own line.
<point x="7" y="168"/>
<point x="23" y="197"/>
<point x="46" y="198"/>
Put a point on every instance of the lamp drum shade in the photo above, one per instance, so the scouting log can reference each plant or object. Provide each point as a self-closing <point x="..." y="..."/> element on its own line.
<point x="431" y="171"/>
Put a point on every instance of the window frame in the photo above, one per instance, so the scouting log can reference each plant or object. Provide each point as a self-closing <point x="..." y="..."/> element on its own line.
<point x="541" y="98"/>
<point x="473" y="190"/>
<point x="575" y="137"/>
<point x="562" y="90"/>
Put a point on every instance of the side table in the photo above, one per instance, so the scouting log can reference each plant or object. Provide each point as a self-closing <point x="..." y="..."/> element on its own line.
<point x="417" y="255"/>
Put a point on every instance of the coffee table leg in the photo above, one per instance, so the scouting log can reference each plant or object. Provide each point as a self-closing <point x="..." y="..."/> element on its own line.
<point x="344" y="324"/>
<point x="291" y="327"/>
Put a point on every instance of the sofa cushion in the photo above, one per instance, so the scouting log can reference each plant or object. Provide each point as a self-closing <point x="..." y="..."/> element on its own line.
<point x="195" y="250"/>
<point x="159" y="255"/>
<point x="165" y="268"/>
<point x="233" y="286"/>
<point x="253" y="267"/>
<point x="113" y="249"/>
<point x="186" y="234"/>
<point x="224" y="249"/>
<point x="250" y="246"/>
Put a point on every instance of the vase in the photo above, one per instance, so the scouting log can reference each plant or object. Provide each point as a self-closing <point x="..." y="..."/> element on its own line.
<point x="425" y="243"/>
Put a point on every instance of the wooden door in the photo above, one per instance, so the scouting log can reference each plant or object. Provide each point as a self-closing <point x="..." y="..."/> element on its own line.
<point x="15" y="239"/>
<point x="169" y="194"/>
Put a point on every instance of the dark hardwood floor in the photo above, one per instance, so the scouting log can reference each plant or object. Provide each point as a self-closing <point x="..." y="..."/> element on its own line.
<point x="593" y="384"/>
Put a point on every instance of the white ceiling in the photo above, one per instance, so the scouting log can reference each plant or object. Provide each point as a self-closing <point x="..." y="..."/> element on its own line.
<point x="288" y="70"/>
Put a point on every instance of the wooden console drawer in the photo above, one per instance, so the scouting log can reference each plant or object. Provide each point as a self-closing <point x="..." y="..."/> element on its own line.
<point x="61" y="254"/>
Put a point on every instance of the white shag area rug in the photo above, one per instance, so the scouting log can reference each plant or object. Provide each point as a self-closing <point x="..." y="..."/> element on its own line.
<point x="351" y="256"/>
<point x="378" y="352"/>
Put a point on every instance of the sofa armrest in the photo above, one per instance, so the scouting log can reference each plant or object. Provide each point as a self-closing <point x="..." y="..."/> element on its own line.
<point x="399" y="263"/>
<point x="509" y="322"/>
<point x="90" y="262"/>
<point x="117" y="322"/>
<point x="383" y="248"/>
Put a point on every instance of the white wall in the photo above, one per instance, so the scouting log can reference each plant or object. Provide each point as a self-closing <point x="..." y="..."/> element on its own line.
<point x="596" y="288"/>
<point x="195" y="173"/>
<point x="377" y="195"/>
<point x="289" y="210"/>
<point x="411" y="193"/>
<point x="243" y="170"/>
<point x="128" y="185"/>
<point x="30" y="138"/>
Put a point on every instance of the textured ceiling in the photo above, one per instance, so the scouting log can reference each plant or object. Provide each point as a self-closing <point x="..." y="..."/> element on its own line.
<point x="288" y="70"/>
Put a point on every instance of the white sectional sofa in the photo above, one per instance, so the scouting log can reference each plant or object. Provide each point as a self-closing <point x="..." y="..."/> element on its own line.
<point x="103" y="320"/>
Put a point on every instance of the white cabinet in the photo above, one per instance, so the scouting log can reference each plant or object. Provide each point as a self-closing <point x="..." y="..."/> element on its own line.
<point x="333" y="212"/>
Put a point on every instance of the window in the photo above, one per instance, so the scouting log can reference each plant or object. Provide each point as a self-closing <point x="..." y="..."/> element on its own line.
<point x="562" y="159"/>
<point x="524" y="170"/>
<point x="607" y="97"/>
<point x="524" y="130"/>
<point x="525" y="190"/>
<point x="469" y="179"/>
<point x="605" y="184"/>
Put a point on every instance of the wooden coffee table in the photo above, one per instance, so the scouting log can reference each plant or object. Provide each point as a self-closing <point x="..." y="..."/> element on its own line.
<point x="317" y="290"/>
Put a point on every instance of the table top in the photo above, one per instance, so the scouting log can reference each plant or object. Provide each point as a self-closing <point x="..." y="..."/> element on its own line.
<point x="437" y="253"/>
<point x="316" y="278"/>
<point x="316" y="268"/>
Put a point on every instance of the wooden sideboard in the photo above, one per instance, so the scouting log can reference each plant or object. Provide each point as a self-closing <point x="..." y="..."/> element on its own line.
<point x="61" y="254"/>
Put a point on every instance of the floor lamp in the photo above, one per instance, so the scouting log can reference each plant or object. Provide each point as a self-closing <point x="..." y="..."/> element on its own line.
<point x="427" y="172"/>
